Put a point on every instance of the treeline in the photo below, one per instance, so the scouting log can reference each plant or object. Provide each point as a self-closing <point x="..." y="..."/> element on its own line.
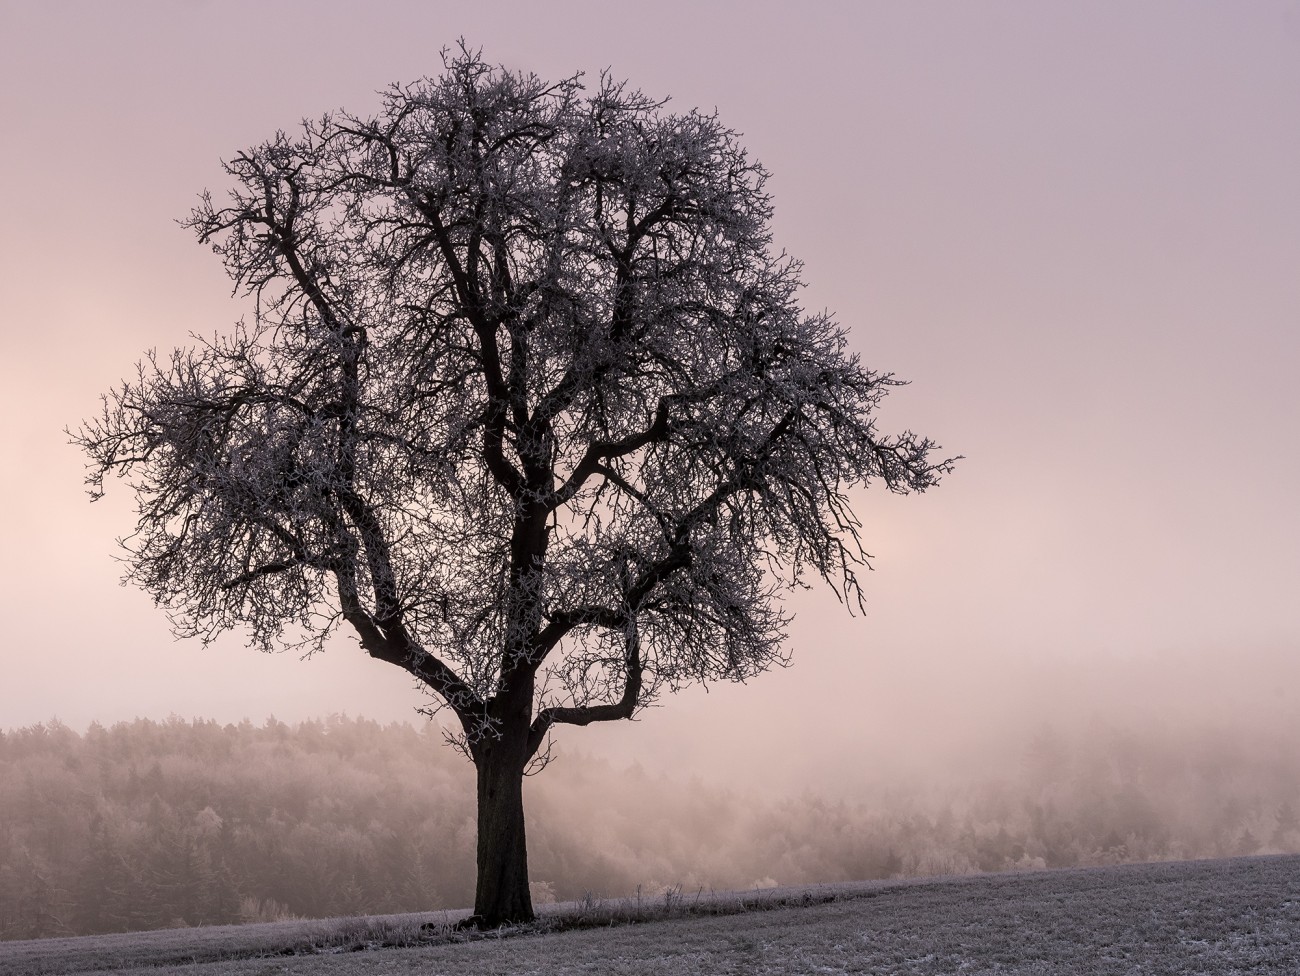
<point x="149" y="824"/>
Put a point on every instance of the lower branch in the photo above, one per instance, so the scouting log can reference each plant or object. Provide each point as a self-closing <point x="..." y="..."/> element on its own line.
<point x="396" y="647"/>
<point x="625" y="707"/>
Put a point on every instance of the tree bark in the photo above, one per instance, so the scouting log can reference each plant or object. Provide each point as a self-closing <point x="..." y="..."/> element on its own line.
<point x="501" y="896"/>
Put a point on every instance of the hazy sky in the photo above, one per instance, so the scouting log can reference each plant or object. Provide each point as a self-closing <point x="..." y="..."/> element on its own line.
<point x="1074" y="227"/>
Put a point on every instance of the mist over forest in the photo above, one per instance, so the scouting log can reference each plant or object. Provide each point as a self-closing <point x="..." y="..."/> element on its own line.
<point x="151" y="824"/>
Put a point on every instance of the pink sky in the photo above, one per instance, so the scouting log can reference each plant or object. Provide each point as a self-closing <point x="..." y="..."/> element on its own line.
<point x="1074" y="227"/>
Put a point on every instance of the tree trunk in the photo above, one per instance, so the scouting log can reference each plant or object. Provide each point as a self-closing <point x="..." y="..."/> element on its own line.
<point x="502" y="896"/>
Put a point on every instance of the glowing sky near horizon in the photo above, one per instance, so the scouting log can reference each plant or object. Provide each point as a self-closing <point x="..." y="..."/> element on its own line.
<point x="1074" y="228"/>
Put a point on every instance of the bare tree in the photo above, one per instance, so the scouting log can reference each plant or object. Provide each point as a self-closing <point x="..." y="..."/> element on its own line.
<point x="528" y="403"/>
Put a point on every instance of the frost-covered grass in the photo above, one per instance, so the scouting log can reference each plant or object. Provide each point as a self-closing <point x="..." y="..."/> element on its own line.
<point x="1201" y="917"/>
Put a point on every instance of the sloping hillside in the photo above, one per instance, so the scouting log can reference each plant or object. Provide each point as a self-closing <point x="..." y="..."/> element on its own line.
<point x="1239" y="916"/>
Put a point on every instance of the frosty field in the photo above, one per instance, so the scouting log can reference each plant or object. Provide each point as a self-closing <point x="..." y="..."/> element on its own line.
<point x="1225" y="917"/>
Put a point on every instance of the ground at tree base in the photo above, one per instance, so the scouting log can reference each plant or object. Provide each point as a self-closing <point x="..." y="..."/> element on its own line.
<point x="1239" y="916"/>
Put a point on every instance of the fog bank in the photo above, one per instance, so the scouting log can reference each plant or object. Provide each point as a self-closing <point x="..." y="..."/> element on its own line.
<point x="146" y="825"/>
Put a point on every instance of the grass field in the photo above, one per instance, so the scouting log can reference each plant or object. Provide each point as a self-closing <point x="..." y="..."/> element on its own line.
<point x="1236" y="916"/>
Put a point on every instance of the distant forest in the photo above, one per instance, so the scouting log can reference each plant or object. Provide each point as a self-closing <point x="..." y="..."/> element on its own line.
<point x="157" y="824"/>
